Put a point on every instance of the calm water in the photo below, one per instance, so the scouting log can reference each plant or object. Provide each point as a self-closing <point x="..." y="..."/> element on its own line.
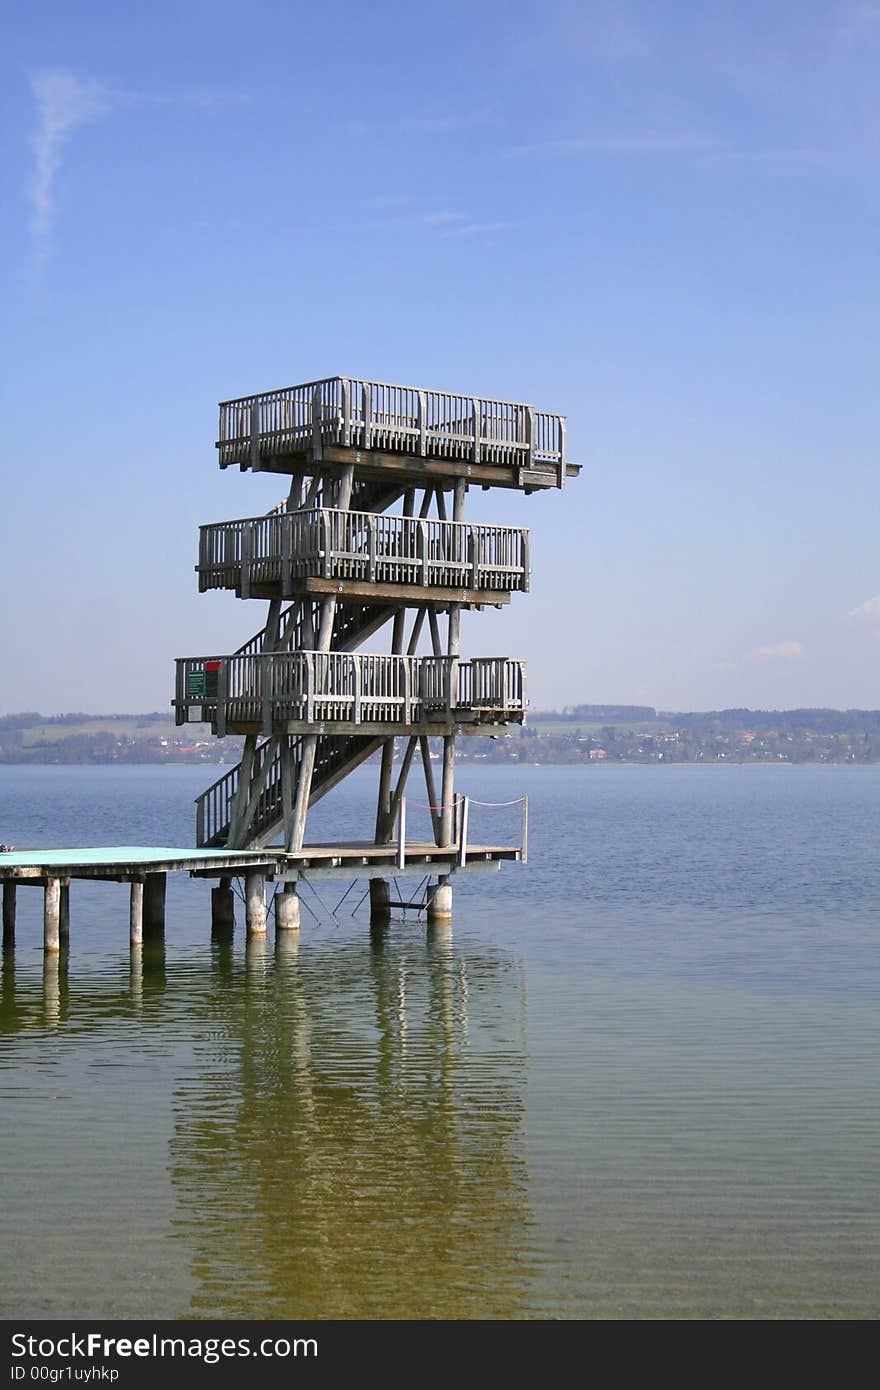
<point x="639" y="1080"/>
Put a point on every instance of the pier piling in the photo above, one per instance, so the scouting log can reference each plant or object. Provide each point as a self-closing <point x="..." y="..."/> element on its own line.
<point x="440" y="901"/>
<point x="222" y="906"/>
<point x="380" y="902"/>
<point x="154" y="903"/>
<point x="64" y="911"/>
<point x="136" y="913"/>
<point x="8" y="914"/>
<point x="255" y="903"/>
<point x="52" y="915"/>
<point x="287" y="910"/>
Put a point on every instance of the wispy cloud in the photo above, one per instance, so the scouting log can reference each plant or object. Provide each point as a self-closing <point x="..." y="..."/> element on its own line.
<point x="478" y="228"/>
<point x="444" y="222"/>
<point x="63" y="102"/>
<point x="867" y="613"/>
<point x="640" y="143"/>
<point x="779" y="651"/>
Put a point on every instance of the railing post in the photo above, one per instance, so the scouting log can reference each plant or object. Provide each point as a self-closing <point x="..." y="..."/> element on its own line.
<point x="525" y="561"/>
<point x="407" y="690"/>
<point x="222" y="687"/>
<point x="422" y="550"/>
<point x="327" y="541"/>
<point x="255" y="436"/>
<point x="561" y="473"/>
<point x="475" y="406"/>
<point x="401" y="834"/>
<point x="317" y="423"/>
<point x="285" y="522"/>
<point x="247" y="551"/>
<point x="530" y="435"/>
<point x="266" y="669"/>
<point x="357" y="682"/>
<point x="463" y="831"/>
<point x="368" y="415"/>
<point x="308" y="665"/>
<point x="423" y="424"/>
<point x="346" y="412"/>
<point x="524" y="832"/>
<point x="371" y="547"/>
<point x="200" y="821"/>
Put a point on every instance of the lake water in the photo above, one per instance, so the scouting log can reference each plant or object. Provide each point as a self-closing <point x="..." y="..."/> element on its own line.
<point x="639" y="1080"/>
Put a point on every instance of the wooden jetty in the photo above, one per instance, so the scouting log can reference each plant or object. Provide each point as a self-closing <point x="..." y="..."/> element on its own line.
<point x="333" y="566"/>
<point x="145" y="868"/>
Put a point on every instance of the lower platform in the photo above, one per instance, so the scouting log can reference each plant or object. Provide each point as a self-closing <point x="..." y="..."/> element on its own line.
<point x="357" y="859"/>
<point x="146" y="868"/>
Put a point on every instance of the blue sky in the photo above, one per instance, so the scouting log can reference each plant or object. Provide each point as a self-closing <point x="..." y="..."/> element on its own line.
<point x="662" y="220"/>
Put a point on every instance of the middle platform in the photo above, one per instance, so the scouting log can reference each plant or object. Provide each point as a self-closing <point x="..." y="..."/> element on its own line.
<point x="301" y="692"/>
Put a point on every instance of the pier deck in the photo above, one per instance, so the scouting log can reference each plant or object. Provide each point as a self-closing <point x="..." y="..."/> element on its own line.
<point x="146" y="868"/>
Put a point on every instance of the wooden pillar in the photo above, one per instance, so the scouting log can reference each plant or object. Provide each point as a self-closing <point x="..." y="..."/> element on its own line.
<point x="380" y="902"/>
<point x="9" y="887"/>
<point x="51" y="915"/>
<point x="136" y="913"/>
<point x="222" y="906"/>
<point x="287" y="912"/>
<point x="255" y="903"/>
<point x="64" y="911"/>
<point x="440" y="901"/>
<point x="154" y="903"/>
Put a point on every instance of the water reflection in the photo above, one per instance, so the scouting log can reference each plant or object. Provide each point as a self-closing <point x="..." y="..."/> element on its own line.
<point x="356" y="1149"/>
<point x="346" y="1134"/>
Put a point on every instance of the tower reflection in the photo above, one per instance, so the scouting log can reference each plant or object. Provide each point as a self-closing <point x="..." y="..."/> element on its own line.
<point x="353" y="1147"/>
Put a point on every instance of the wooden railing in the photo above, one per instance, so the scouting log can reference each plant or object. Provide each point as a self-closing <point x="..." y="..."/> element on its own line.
<point x="354" y="413"/>
<point x="370" y="546"/>
<point x="272" y="689"/>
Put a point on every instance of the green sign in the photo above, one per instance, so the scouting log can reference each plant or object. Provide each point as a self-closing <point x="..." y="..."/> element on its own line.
<point x="195" y="683"/>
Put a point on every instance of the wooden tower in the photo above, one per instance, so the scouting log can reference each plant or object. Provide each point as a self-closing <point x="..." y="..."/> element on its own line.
<point x="335" y="566"/>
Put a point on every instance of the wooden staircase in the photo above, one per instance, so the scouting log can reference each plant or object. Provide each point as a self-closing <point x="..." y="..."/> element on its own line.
<point x="263" y="816"/>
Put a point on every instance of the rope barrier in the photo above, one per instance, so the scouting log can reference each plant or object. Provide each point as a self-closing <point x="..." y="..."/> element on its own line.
<point x="517" y="801"/>
<point x="423" y="805"/>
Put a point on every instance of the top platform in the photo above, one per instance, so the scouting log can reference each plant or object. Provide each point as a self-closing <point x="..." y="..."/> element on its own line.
<point x="418" y="435"/>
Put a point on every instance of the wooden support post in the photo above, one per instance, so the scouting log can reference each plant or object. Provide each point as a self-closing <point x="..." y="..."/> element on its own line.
<point x="303" y="790"/>
<point x="9" y="887"/>
<point x="401" y="835"/>
<point x="380" y="902"/>
<point x="431" y="787"/>
<point x="383" y="804"/>
<point x="255" y="903"/>
<point x="154" y="903"/>
<point x="440" y="901"/>
<point x="136" y="913"/>
<point x="287" y="910"/>
<point x="222" y="906"/>
<point x="64" y="911"/>
<point x="51" y="914"/>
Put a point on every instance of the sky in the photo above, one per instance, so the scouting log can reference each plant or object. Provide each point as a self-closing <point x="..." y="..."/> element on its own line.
<point x="659" y="219"/>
